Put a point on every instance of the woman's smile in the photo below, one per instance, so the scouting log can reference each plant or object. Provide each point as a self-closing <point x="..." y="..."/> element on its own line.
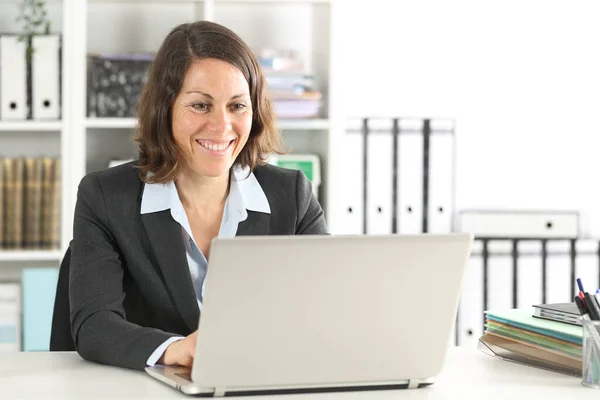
<point x="216" y="148"/>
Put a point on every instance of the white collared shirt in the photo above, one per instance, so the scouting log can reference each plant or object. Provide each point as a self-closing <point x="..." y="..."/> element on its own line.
<point x="245" y="193"/>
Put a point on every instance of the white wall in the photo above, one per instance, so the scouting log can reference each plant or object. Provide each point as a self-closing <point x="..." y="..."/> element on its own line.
<point x="521" y="77"/>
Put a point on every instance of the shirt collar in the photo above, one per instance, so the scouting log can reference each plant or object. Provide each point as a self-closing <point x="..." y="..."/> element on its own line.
<point x="252" y="195"/>
<point x="244" y="188"/>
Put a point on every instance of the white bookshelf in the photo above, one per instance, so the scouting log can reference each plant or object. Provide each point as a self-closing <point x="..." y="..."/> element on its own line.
<point x="30" y="255"/>
<point x="30" y="126"/>
<point x="87" y="26"/>
<point x="111" y="123"/>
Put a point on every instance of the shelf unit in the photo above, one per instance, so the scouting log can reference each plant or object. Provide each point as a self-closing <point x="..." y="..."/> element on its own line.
<point x="30" y="255"/>
<point x="30" y="126"/>
<point x="30" y="138"/>
<point x="85" y="143"/>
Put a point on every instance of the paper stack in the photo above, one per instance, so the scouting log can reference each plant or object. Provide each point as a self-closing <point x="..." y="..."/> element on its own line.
<point x="292" y="90"/>
<point x="518" y="336"/>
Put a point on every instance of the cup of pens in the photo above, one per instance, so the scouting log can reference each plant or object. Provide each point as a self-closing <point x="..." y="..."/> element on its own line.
<point x="590" y="375"/>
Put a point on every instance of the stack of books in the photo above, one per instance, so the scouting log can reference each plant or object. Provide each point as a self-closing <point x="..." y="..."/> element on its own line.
<point x="30" y="199"/>
<point x="517" y="335"/>
<point x="292" y="91"/>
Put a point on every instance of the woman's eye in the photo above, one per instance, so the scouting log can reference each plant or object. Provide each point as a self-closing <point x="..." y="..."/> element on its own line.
<point x="238" y="107"/>
<point x="200" y="106"/>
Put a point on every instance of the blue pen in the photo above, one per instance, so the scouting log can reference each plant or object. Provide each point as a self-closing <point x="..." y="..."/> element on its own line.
<point x="580" y="285"/>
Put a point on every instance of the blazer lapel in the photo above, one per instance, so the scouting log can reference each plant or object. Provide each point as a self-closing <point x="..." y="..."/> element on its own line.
<point x="167" y="243"/>
<point x="257" y="223"/>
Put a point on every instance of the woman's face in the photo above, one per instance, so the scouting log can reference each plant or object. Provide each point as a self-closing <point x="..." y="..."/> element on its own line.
<point x="212" y="117"/>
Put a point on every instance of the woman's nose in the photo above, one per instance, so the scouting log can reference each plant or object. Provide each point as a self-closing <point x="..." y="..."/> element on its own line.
<point x="220" y="121"/>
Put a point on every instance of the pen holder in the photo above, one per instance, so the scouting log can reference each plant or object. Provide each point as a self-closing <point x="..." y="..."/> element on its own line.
<point x="591" y="354"/>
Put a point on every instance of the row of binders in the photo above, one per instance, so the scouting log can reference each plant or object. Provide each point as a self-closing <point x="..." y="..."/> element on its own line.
<point x="30" y="85"/>
<point x="398" y="176"/>
<point x="30" y="198"/>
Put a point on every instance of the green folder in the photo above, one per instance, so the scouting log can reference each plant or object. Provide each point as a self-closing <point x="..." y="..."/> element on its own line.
<point x="307" y="163"/>
<point x="523" y="318"/>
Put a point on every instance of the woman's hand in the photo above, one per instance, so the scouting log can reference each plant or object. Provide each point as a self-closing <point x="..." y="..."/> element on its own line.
<point x="180" y="352"/>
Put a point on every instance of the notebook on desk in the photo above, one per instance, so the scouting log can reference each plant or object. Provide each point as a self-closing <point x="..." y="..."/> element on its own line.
<point x="298" y="314"/>
<point x="560" y="312"/>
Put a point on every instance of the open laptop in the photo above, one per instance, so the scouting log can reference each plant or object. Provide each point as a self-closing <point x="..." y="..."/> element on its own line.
<point x="297" y="314"/>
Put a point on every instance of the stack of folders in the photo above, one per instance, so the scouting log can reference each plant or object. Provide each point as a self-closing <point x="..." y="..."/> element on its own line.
<point x="517" y="335"/>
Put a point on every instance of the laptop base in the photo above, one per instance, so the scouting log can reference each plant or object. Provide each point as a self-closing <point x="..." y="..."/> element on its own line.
<point x="180" y="379"/>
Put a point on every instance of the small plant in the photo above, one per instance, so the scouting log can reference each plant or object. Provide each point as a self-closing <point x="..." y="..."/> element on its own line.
<point x="33" y="18"/>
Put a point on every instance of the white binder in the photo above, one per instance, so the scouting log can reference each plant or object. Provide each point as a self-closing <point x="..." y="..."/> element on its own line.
<point x="453" y="333"/>
<point x="558" y="272"/>
<point x="500" y="275"/>
<point x="520" y="223"/>
<point x="586" y="264"/>
<point x="410" y="178"/>
<point x="529" y="273"/>
<point x="441" y="182"/>
<point x="379" y="176"/>
<point x="470" y="309"/>
<point x="13" y="78"/>
<point x="45" y="77"/>
<point x="352" y="180"/>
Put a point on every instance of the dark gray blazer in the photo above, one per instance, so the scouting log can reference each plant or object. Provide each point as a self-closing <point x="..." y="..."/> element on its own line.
<point x="130" y="287"/>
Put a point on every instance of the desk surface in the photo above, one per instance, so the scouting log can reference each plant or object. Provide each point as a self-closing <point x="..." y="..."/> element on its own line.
<point x="468" y="373"/>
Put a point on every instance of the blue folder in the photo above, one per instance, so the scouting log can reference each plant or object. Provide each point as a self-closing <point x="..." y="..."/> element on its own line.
<point x="39" y="289"/>
<point x="523" y="318"/>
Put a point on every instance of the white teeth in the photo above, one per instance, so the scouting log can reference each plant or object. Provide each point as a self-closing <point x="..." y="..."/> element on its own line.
<point x="214" y="147"/>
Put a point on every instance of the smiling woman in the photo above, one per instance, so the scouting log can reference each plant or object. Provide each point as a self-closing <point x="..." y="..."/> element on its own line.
<point x="203" y="69"/>
<point x="142" y="230"/>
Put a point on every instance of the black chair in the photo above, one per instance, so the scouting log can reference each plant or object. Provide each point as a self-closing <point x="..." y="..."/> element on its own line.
<point x="60" y="335"/>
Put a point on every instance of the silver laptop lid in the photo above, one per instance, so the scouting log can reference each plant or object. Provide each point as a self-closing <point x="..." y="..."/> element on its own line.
<point x="306" y="311"/>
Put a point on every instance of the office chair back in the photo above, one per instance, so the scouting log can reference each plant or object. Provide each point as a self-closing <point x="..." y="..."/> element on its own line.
<point x="60" y="335"/>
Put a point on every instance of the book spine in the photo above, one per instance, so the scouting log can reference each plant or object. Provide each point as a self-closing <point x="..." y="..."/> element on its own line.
<point x="56" y="202"/>
<point x="47" y="200"/>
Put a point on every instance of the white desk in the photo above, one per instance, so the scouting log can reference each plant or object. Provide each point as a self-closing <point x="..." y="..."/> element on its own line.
<point x="468" y="374"/>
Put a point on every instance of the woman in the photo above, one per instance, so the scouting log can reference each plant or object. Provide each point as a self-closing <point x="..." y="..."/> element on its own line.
<point x="142" y="230"/>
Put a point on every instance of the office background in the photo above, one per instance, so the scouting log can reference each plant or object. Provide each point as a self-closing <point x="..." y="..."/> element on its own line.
<point x="519" y="77"/>
<point x="518" y="80"/>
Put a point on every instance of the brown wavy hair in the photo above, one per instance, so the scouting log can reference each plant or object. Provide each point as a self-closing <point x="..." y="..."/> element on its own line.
<point x="160" y="159"/>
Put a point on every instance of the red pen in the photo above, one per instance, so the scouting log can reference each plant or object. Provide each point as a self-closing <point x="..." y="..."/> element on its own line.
<point x="582" y="296"/>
